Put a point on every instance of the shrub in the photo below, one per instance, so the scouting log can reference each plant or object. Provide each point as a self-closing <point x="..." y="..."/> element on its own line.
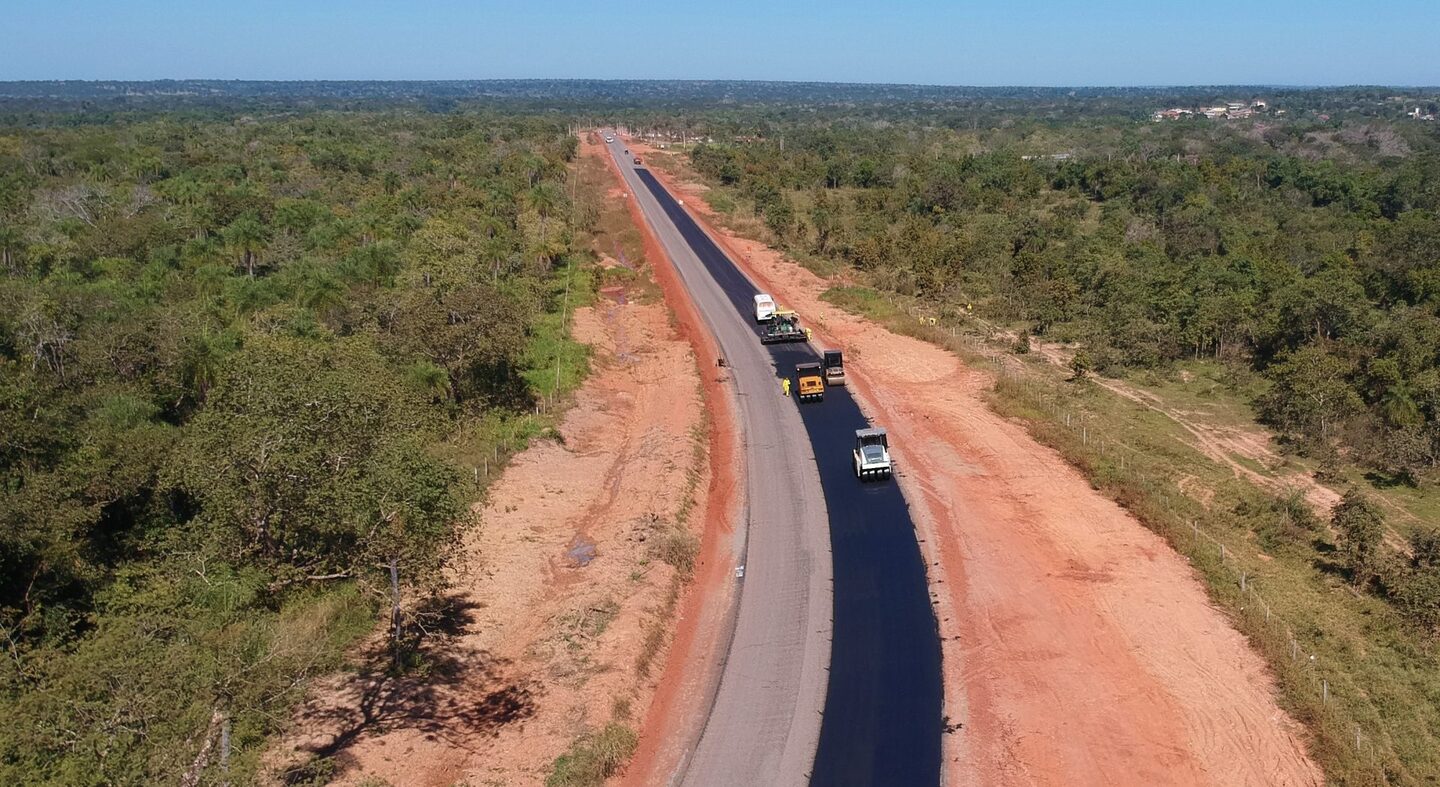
<point x="1360" y="526"/>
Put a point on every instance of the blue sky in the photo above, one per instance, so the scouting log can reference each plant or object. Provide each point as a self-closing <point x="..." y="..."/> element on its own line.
<point x="982" y="42"/>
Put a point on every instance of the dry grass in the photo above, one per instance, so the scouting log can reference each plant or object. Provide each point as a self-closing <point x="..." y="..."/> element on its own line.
<point x="594" y="758"/>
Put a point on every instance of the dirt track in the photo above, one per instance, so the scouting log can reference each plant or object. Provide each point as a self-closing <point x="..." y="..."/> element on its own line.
<point x="1079" y="648"/>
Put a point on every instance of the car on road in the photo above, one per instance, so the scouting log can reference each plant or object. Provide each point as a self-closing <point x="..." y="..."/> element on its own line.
<point x="637" y="161"/>
<point x="764" y="307"/>
<point x="872" y="454"/>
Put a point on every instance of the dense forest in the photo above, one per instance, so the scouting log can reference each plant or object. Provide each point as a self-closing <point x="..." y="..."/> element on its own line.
<point x="719" y="107"/>
<point x="246" y="365"/>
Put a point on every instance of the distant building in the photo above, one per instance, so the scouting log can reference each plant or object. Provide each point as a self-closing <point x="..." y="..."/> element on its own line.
<point x="1231" y="109"/>
<point x="1169" y="114"/>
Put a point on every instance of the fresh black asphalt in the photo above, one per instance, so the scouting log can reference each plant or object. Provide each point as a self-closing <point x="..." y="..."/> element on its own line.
<point x="882" y="722"/>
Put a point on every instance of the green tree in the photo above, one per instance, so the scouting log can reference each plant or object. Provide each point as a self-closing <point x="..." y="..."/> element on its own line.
<point x="247" y="238"/>
<point x="294" y="461"/>
<point x="1311" y="392"/>
<point x="1360" y="526"/>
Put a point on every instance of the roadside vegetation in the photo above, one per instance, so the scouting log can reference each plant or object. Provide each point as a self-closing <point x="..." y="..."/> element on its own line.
<point x="1281" y="263"/>
<point x="252" y="372"/>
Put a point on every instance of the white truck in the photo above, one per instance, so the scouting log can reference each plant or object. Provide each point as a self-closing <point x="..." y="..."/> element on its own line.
<point x="764" y="307"/>
<point x="872" y="454"/>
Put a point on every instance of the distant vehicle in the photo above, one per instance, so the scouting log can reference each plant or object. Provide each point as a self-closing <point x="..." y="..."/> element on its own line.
<point x="872" y="454"/>
<point x="834" y="367"/>
<point x="627" y="151"/>
<point x="784" y="328"/>
<point x="811" y="382"/>
<point x="637" y="161"/>
<point x="764" y="307"/>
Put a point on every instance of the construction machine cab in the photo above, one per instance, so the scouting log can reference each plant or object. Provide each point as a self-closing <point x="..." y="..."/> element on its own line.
<point x="834" y="367"/>
<point x="870" y="437"/>
<point x="872" y="454"/>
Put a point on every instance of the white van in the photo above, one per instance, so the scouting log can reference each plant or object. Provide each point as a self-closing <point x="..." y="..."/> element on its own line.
<point x="764" y="308"/>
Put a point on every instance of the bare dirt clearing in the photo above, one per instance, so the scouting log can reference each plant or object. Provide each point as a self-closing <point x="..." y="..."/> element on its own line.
<point x="1080" y="649"/>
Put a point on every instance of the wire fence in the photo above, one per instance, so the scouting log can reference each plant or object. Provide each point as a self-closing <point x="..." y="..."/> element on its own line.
<point x="1300" y="666"/>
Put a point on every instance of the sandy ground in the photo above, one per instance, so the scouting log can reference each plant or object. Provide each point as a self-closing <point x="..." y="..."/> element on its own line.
<point x="1079" y="648"/>
<point x="545" y="642"/>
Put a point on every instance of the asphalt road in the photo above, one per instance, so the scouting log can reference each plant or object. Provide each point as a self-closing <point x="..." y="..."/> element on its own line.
<point x="879" y="721"/>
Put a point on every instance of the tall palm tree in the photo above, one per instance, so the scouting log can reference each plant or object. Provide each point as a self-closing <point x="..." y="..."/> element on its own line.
<point x="191" y="195"/>
<point x="247" y="237"/>
<point x="545" y="198"/>
<point x="321" y="293"/>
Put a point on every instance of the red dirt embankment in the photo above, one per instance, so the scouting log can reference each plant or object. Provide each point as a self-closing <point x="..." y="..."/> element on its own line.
<point x="1079" y="648"/>
<point x="682" y="695"/>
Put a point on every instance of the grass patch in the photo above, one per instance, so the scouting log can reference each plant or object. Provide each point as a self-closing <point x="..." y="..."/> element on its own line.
<point x="658" y="631"/>
<point x="862" y="301"/>
<point x="555" y="364"/>
<point x="607" y="216"/>
<point x="678" y="547"/>
<point x="1249" y="464"/>
<point x="594" y="758"/>
<point x="721" y="202"/>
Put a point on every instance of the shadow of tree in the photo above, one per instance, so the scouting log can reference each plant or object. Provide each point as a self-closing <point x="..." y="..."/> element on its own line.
<point x="453" y="693"/>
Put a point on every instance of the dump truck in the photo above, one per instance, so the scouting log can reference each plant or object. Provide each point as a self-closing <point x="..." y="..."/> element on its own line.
<point x="784" y="327"/>
<point x="872" y="454"/>
<point x="834" y="367"/>
<point x="811" y="382"/>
